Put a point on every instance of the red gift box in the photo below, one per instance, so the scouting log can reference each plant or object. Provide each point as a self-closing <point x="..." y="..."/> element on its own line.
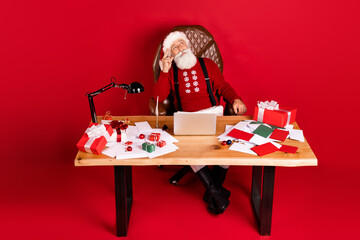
<point x="278" y="117"/>
<point x="161" y="143"/>
<point x="95" y="138"/>
<point x="154" y="137"/>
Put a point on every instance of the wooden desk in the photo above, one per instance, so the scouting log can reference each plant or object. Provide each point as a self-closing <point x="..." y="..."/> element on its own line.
<point x="208" y="151"/>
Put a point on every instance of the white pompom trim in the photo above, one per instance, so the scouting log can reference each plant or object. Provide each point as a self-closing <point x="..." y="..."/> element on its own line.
<point x="173" y="36"/>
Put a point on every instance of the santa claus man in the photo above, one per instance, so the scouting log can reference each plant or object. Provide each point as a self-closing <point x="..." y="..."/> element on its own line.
<point x="192" y="91"/>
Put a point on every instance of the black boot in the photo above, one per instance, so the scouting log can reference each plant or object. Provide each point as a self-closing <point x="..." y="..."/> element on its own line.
<point x="216" y="192"/>
<point x="219" y="175"/>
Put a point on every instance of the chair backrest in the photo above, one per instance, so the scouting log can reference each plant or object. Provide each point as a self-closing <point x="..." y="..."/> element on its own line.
<point x="202" y="44"/>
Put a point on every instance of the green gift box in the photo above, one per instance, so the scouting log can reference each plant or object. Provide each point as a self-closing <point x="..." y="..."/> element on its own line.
<point x="148" y="147"/>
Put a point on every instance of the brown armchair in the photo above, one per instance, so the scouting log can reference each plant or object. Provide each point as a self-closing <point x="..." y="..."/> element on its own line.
<point x="203" y="45"/>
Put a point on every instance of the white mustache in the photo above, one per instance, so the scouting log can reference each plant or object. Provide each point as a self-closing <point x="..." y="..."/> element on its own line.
<point x="182" y="52"/>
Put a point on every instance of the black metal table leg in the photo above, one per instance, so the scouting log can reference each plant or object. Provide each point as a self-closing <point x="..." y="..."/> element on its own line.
<point x="262" y="201"/>
<point x="256" y="191"/>
<point x="129" y="190"/>
<point x="123" y="198"/>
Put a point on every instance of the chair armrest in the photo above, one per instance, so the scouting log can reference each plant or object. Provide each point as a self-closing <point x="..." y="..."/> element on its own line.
<point x="228" y="110"/>
<point x="152" y="107"/>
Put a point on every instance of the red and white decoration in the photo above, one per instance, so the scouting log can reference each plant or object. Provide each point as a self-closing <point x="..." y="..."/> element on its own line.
<point x="271" y="113"/>
<point x="188" y="85"/>
<point x="95" y="138"/>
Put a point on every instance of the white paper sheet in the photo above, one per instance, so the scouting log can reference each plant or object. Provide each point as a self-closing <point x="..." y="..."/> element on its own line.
<point x="297" y="134"/>
<point x="248" y="129"/>
<point x="248" y="121"/>
<point x="224" y="137"/>
<point x="132" y="131"/>
<point x="143" y="126"/>
<point x="114" y="149"/>
<point x="241" y="125"/>
<point x="259" y="140"/>
<point x="276" y="145"/>
<point x="136" y="152"/>
<point x="254" y="126"/>
<point x="168" y="148"/>
<point x="288" y="127"/>
<point x="249" y="144"/>
<point x="242" y="148"/>
<point x="118" y="150"/>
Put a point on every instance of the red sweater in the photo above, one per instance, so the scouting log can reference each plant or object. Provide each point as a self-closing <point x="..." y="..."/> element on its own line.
<point x="192" y="86"/>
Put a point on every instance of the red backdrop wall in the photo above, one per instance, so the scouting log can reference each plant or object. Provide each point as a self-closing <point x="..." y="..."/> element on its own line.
<point x="303" y="54"/>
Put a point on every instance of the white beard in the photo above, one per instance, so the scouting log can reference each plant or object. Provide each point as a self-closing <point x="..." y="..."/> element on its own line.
<point x="185" y="59"/>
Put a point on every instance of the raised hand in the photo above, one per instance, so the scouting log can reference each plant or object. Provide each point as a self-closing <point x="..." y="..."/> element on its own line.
<point x="166" y="61"/>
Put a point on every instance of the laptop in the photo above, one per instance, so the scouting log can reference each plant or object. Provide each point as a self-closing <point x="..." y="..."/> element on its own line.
<point x="186" y="123"/>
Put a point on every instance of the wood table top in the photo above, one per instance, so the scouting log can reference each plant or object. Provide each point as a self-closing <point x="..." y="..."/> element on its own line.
<point x="204" y="150"/>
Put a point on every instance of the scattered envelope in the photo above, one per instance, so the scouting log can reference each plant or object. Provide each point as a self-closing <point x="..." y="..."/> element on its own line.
<point x="297" y="134"/>
<point x="288" y="149"/>
<point x="241" y="148"/>
<point x="259" y="140"/>
<point x="254" y="122"/>
<point x="263" y="130"/>
<point x="280" y="135"/>
<point x="265" y="149"/>
<point x="290" y="126"/>
<point x="277" y="145"/>
<point x="240" y="125"/>
<point x="240" y="134"/>
<point x="248" y="129"/>
<point x="253" y="126"/>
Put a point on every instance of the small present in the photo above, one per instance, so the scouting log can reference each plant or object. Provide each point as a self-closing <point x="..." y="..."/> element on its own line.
<point x="95" y="138"/>
<point x="271" y="113"/>
<point x="123" y="136"/>
<point x="154" y="136"/>
<point x="161" y="143"/>
<point x="148" y="147"/>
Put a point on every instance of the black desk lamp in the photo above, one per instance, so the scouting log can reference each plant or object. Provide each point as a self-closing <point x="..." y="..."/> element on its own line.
<point x="134" y="87"/>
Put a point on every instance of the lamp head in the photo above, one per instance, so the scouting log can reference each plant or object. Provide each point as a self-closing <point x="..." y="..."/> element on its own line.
<point x="135" y="87"/>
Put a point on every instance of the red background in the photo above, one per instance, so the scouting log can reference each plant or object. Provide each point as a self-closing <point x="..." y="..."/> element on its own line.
<point x="303" y="54"/>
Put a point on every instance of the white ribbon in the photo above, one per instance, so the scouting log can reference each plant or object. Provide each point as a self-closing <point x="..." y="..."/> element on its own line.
<point x="272" y="105"/>
<point x="93" y="133"/>
<point x="289" y="115"/>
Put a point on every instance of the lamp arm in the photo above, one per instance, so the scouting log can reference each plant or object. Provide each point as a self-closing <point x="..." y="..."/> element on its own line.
<point x="123" y="86"/>
<point x="101" y="90"/>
